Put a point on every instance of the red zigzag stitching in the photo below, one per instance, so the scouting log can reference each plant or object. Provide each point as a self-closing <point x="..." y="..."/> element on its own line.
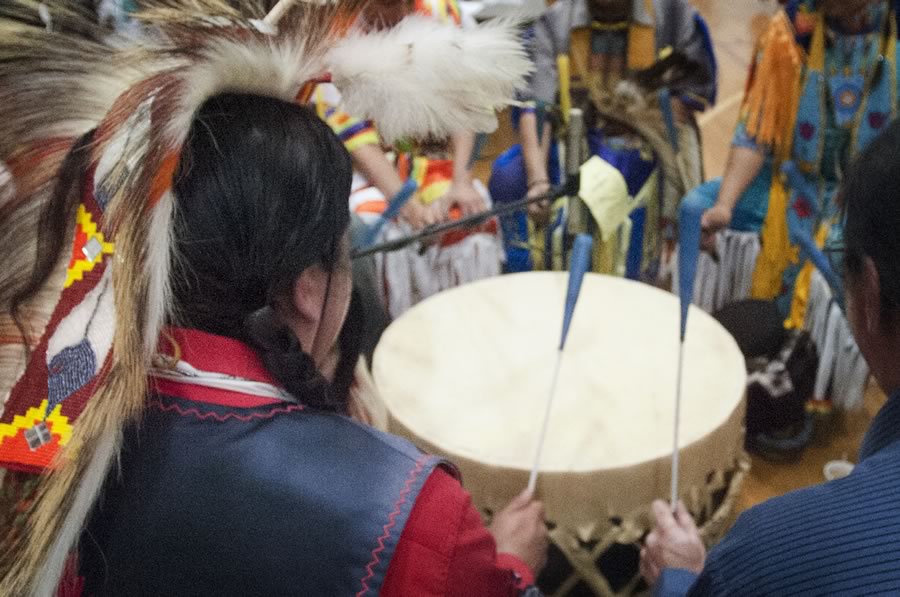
<point x="392" y="520"/>
<point x="193" y="412"/>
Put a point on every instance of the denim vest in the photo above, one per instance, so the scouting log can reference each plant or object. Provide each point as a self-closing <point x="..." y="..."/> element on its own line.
<point x="275" y="500"/>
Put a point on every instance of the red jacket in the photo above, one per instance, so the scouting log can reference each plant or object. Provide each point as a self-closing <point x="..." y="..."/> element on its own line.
<point x="446" y="550"/>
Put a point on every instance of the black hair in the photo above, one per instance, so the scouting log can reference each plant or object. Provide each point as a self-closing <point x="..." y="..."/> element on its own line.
<point x="871" y="206"/>
<point x="350" y="348"/>
<point x="261" y="195"/>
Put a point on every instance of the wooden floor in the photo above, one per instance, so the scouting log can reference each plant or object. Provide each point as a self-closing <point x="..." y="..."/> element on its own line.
<point x="735" y="25"/>
<point x="839" y="438"/>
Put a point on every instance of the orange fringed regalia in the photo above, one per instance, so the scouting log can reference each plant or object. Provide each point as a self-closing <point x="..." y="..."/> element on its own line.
<point x="774" y="77"/>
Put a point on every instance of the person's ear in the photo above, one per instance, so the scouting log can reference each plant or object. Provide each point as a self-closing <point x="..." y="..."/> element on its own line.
<point x="871" y="296"/>
<point x="308" y="294"/>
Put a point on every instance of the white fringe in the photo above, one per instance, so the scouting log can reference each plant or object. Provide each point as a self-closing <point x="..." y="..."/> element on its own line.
<point x="843" y="372"/>
<point x="159" y="263"/>
<point x="395" y="268"/>
<point x="272" y="68"/>
<point x="410" y="277"/>
<point x="728" y="280"/>
<point x="7" y="185"/>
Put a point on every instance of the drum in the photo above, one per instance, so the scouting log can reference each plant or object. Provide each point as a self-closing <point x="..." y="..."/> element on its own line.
<point x="466" y="375"/>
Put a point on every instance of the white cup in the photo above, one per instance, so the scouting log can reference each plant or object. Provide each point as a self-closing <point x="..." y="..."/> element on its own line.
<point x="837" y="469"/>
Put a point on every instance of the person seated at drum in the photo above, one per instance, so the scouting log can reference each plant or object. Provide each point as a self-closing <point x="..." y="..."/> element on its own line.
<point x="442" y="170"/>
<point x="362" y="139"/>
<point x="247" y="477"/>
<point x="843" y="537"/>
<point x="821" y="87"/>
<point x="611" y="38"/>
<point x="840" y="109"/>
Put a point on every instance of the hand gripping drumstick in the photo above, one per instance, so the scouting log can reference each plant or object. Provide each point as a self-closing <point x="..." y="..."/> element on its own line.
<point x="690" y="217"/>
<point x="581" y="260"/>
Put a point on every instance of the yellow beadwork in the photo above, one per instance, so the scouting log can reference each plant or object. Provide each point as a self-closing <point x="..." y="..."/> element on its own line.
<point x="85" y="225"/>
<point x="56" y="422"/>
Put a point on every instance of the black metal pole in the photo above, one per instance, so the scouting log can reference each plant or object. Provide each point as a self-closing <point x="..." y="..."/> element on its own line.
<point x="570" y="188"/>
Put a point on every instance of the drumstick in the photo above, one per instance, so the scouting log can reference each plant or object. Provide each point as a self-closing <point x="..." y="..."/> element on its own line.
<point x="568" y="189"/>
<point x="689" y="253"/>
<point x="581" y="260"/>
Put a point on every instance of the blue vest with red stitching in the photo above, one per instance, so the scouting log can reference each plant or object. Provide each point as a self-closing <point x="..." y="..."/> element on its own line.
<point x="274" y="500"/>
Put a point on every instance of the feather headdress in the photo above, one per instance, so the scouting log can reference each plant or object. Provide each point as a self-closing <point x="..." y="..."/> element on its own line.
<point x="91" y="130"/>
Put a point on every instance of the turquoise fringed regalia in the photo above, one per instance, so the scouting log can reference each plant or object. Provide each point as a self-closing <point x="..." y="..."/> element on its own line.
<point x="816" y="96"/>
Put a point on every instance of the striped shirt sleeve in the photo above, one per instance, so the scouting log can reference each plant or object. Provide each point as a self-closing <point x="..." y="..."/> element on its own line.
<point x="353" y="132"/>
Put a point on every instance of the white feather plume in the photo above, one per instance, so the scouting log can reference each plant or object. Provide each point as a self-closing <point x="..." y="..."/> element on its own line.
<point x="159" y="263"/>
<point x="269" y="67"/>
<point x="102" y="458"/>
<point x="425" y="78"/>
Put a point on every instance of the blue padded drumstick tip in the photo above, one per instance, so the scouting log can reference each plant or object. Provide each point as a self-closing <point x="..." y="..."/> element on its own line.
<point x="393" y="210"/>
<point x="581" y="262"/>
<point x="690" y="217"/>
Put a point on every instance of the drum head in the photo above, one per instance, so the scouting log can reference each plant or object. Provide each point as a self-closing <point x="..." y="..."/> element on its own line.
<point x="467" y="375"/>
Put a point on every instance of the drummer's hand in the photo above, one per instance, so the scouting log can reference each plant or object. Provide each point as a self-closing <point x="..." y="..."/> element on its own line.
<point x="714" y="220"/>
<point x="418" y="215"/>
<point x="540" y="211"/>
<point x="519" y="530"/>
<point x="674" y="543"/>
<point x="466" y="197"/>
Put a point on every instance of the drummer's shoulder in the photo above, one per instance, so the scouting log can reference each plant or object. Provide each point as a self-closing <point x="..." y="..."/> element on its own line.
<point x="446" y="533"/>
<point x="875" y="480"/>
<point x="775" y="519"/>
<point x="773" y="539"/>
<point x="351" y="428"/>
<point x="440" y="508"/>
<point x="445" y="545"/>
<point x="443" y="493"/>
<point x="442" y="486"/>
<point x="345" y="430"/>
